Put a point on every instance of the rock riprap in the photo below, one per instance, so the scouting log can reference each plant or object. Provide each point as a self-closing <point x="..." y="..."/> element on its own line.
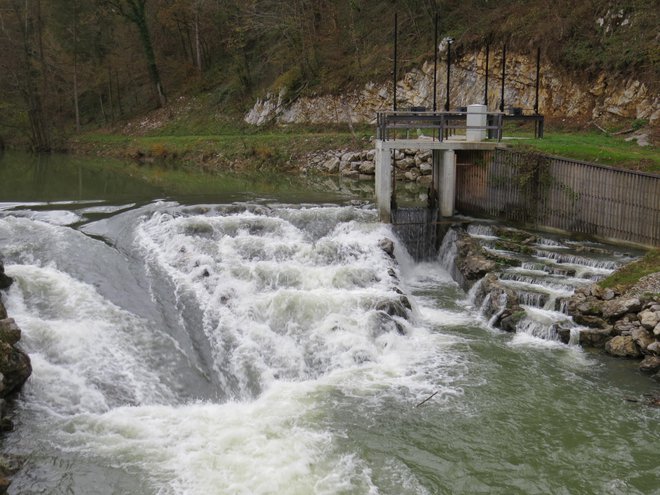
<point x="627" y="321"/>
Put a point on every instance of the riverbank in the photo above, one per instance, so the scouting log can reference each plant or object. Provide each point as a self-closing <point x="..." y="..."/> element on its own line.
<point x="187" y="131"/>
<point x="15" y="369"/>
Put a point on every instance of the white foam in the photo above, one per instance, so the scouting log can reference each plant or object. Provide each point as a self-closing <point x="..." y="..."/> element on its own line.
<point x="57" y="217"/>
<point x="290" y="316"/>
<point x="86" y="353"/>
<point x="263" y="446"/>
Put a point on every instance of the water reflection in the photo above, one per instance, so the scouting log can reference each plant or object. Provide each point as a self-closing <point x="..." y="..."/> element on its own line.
<point x="47" y="178"/>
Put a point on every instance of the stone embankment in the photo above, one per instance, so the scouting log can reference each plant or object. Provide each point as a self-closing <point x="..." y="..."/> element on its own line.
<point x="15" y="368"/>
<point x="411" y="165"/>
<point x="626" y="323"/>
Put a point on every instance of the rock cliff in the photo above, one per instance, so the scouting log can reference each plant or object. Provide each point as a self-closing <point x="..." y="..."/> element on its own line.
<point x="561" y="95"/>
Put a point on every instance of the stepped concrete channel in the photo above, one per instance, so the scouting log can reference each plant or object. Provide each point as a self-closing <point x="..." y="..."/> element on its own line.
<point x="535" y="284"/>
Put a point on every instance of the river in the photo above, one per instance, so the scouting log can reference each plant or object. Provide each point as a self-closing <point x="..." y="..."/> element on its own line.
<point x="207" y="334"/>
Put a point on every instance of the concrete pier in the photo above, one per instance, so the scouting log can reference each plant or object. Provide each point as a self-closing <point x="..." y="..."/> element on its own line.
<point x="444" y="169"/>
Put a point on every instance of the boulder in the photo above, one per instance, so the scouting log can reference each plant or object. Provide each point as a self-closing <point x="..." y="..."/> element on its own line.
<point x="619" y="307"/>
<point x="642" y="338"/>
<point x="656" y="330"/>
<point x="654" y="348"/>
<point x="350" y="157"/>
<point x="412" y="174"/>
<point x="15" y="367"/>
<point x="563" y="330"/>
<point x="623" y="346"/>
<point x="649" y="319"/>
<point x="380" y="323"/>
<point x="387" y="245"/>
<point x="331" y="165"/>
<point x="396" y="307"/>
<point x="624" y="325"/>
<point x="9" y="331"/>
<point x="509" y="323"/>
<point x="608" y="295"/>
<point x="406" y="163"/>
<point x="594" y="337"/>
<point x="368" y="168"/>
<point x="426" y="168"/>
<point x="588" y="307"/>
<point x="424" y="155"/>
<point x="590" y="321"/>
<point x="501" y="303"/>
<point x="470" y="261"/>
<point x="5" y="281"/>
<point x="650" y="364"/>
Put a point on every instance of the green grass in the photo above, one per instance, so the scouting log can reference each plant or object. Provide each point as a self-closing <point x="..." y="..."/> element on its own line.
<point x="270" y="148"/>
<point x="594" y="147"/>
<point x="630" y="274"/>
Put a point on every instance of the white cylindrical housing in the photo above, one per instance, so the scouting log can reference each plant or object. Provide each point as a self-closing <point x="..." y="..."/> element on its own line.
<point x="477" y="118"/>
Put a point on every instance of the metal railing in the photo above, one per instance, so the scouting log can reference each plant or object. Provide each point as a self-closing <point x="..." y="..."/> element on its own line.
<point x="442" y="125"/>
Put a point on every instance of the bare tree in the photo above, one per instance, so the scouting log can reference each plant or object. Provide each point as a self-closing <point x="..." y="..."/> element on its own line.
<point x="135" y="12"/>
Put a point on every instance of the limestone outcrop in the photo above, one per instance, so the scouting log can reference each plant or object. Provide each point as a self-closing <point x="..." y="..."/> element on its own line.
<point x="561" y="94"/>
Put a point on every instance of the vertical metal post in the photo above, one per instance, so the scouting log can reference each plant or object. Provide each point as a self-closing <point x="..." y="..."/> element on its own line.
<point x="503" y="77"/>
<point x="393" y="206"/>
<point x="538" y="73"/>
<point x="448" y="73"/>
<point x="435" y="65"/>
<point x="394" y="70"/>
<point x="486" y="85"/>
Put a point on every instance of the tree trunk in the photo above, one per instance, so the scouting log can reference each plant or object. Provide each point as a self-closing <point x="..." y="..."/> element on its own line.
<point x="134" y="11"/>
<point x="197" y="42"/>
<point x="39" y="134"/>
<point x="75" y="64"/>
<point x="154" y="74"/>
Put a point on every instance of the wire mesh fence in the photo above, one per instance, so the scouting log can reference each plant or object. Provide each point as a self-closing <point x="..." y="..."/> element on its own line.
<point x="571" y="195"/>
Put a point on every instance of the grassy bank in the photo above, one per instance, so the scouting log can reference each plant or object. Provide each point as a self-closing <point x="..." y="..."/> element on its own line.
<point x="276" y="149"/>
<point x="613" y="151"/>
<point x="630" y="274"/>
<point x="190" y="133"/>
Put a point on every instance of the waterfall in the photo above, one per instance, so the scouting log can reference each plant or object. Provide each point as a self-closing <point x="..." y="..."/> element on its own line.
<point x="538" y="329"/>
<point x="419" y="231"/>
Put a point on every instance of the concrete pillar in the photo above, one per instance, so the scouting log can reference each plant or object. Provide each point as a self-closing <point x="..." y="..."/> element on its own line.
<point x="383" y="160"/>
<point x="477" y="116"/>
<point x="448" y="183"/>
<point x="437" y="162"/>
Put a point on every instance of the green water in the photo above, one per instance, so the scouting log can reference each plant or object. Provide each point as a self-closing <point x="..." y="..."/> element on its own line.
<point x="59" y="177"/>
<point x="137" y="387"/>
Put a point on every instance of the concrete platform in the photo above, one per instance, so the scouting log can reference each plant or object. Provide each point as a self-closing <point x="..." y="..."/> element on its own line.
<point x="454" y="144"/>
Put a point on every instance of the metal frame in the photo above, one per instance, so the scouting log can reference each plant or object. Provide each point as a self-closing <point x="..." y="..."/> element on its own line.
<point x="445" y="123"/>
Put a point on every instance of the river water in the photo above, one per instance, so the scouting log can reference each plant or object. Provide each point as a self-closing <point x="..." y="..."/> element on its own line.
<point x="197" y="334"/>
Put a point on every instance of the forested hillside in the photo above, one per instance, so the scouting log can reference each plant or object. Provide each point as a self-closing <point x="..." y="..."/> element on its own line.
<point x="70" y="65"/>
